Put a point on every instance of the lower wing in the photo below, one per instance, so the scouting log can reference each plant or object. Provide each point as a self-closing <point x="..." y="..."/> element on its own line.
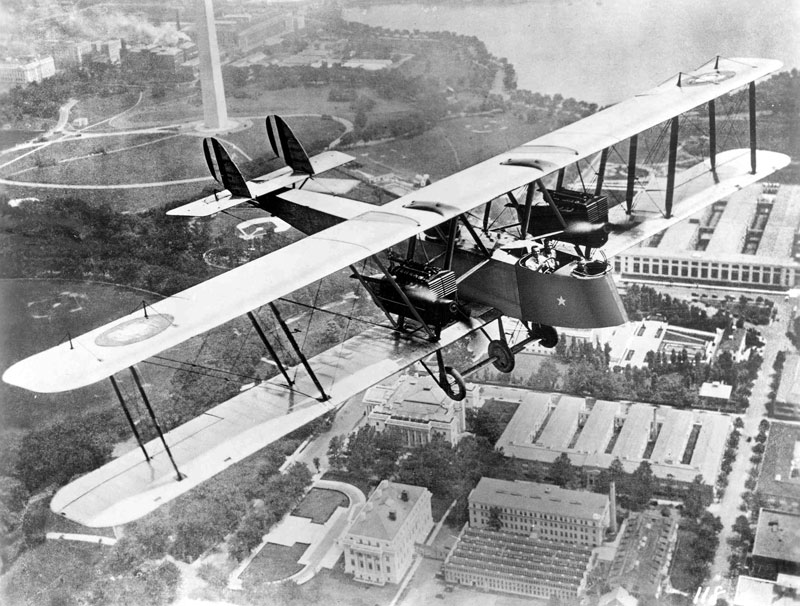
<point x="130" y="486"/>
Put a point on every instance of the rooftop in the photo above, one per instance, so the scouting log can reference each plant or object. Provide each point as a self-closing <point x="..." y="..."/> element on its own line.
<point x="716" y="390"/>
<point x="780" y="470"/>
<point x="643" y="553"/>
<point x="686" y="435"/>
<point x="778" y="536"/>
<point x="784" y="219"/>
<point x="750" y="590"/>
<point x="789" y="389"/>
<point x="731" y="228"/>
<point x="374" y="520"/>
<point x="543" y="498"/>
<point x="417" y="398"/>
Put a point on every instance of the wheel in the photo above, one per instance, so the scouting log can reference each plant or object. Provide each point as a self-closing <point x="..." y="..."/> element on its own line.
<point x="548" y="337"/>
<point x="502" y="354"/>
<point x="452" y="383"/>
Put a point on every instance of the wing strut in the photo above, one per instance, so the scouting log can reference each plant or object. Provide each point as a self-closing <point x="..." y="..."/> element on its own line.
<point x="752" y="98"/>
<point x="712" y="137"/>
<point x="629" y="192"/>
<point x="673" y="157"/>
<point x="526" y="217"/>
<point x="270" y="349"/>
<point x="287" y="331"/>
<point x="138" y="380"/>
<point x="374" y="297"/>
<point x="129" y="417"/>
<point x="601" y="172"/>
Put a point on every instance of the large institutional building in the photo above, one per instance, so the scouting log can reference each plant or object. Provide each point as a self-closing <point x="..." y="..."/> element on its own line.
<point x="25" y="70"/>
<point x="416" y="408"/>
<point x="779" y="480"/>
<point x="543" y="547"/>
<point x="750" y="240"/>
<point x="379" y="545"/>
<point x="541" y="511"/>
<point x="678" y="444"/>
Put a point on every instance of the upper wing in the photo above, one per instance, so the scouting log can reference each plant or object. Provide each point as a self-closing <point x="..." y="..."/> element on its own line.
<point x="113" y="347"/>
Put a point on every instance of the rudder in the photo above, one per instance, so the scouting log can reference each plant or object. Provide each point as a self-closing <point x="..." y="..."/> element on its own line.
<point x="223" y="169"/>
<point x="287" y="146"/>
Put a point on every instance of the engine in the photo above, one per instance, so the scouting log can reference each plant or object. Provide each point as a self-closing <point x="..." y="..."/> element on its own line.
<point x="430" y="289"/>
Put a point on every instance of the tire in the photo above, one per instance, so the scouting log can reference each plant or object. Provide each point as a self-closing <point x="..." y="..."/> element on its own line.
<point x="503" y="357"/>
<point x="452" y="383"/>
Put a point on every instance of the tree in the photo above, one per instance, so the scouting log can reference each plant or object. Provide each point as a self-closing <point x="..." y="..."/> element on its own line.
<point x="696" y="499"/>
<point x="641" y="487"/>
<point x="494" y="523"/>
<point x="563" y="472"/>
<point x="56" y="453"/>
<point x="336" y="453"/>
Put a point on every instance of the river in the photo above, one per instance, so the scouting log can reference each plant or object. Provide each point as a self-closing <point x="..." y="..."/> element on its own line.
<point x="606" y="50"/>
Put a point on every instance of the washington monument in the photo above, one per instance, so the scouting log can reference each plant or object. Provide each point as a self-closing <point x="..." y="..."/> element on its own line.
<point x="215" y="111"/>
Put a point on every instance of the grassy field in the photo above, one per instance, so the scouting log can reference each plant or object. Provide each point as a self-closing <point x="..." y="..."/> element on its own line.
<point x="274" y="562"/>
<point x="37" y="314"/>
<point x="319" y="505"/>
<point x="451" y="146"/>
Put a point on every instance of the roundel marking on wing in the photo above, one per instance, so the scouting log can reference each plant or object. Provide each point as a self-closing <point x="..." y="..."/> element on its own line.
<point x="134" y="331"/>
<point x="713" y="77"/>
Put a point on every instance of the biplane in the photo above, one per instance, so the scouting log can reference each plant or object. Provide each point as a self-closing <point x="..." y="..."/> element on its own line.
<point x="433" y="261"/>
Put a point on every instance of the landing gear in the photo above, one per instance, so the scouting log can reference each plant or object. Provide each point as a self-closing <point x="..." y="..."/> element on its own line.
<point x="501" y="355"/>
<point x="448" y="378"/>
<point x="547" y="335"/>
<point x="452" y="383"/>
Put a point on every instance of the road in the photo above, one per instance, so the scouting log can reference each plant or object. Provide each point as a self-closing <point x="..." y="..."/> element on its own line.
<point x="175" y="129"/>
<point x="728" y="508"/>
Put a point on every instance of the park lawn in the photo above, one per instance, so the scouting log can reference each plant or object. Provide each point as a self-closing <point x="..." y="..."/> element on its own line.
<point x="450" y="146"/>
<point x="37" y="315"/>
<point x="335" y="587"/>
<point x="98" y="108"/>
<point x="121" y="160"/>
<point x="319" y="504"/>
<point x="113" y="159"/>
<point x="274" y="562"/>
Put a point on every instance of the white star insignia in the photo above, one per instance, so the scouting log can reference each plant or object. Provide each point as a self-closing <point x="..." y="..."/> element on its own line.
<point x="561" y="301"/>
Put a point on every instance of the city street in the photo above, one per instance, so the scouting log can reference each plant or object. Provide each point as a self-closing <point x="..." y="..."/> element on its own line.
<point x="728" y="508"/>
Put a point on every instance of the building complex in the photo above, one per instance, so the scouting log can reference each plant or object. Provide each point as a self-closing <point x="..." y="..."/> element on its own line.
<point x="678" y="444"/>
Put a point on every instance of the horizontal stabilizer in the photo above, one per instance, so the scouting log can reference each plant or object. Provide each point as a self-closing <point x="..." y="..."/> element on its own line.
<point x="328" y="160"/>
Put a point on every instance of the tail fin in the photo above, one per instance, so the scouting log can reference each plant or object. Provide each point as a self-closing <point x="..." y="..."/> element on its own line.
<point x="223" y="168"/>
<point x="286" y="145"/>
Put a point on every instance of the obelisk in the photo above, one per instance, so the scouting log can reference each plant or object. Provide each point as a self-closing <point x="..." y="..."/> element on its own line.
<point x="215" y="111"/>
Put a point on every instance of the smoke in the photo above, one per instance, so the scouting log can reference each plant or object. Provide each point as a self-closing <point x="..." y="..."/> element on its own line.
<point x="97" y="25"/>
